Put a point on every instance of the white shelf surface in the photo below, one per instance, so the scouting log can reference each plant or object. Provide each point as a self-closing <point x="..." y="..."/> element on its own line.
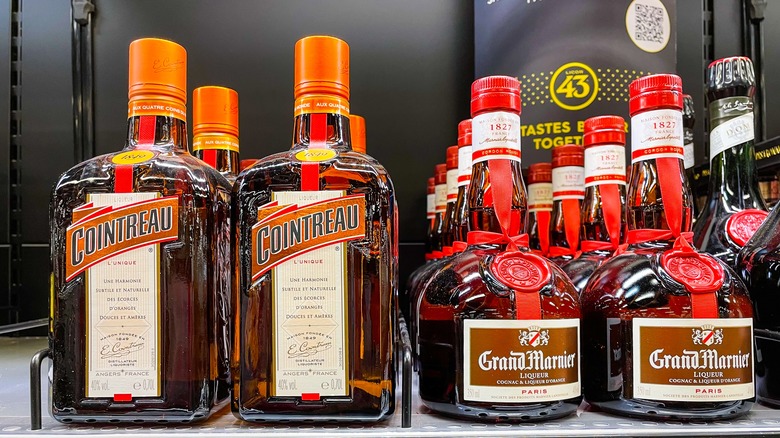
<point x="15" y="355"/>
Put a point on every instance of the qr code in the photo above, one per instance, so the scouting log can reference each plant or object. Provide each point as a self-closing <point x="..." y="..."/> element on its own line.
<point x="649" y="24"/>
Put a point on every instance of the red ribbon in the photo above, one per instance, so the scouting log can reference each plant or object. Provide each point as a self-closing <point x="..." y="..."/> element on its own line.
<point x="560" y="251"/>
<point x="458" y="246"/>
<point x="644" y="235"/>
<point x="671" y="191"/>
<point x="597" y="245"/>
<point x="488" y="238"/>
<point x="447" y="251"/>
<point x="610" y="207"/>
<point x="571" y="222"/>
<point x="543" y="220"/>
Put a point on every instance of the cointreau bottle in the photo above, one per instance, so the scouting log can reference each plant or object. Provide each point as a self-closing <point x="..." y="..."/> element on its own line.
<point x="568" y="179"/>
<point x="603" y="210"/>
<point x="215" y="129"/>
<point x="667" y="330"/>
<point x="499" y="327"/>
<point x="452" y="197"/>
<point x="315" y="324"/>
<point x="140" y="281"/>
<point x="734" y="208"/>
<point x="540" y="205"/>
<point x="437" y="233"/>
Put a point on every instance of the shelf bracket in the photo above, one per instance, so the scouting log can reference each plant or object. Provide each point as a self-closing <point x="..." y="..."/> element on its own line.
<point x="35" y="388"/>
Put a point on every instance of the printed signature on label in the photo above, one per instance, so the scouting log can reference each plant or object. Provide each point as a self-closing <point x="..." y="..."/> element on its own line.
<point x="119" y="349"/>
<point x="306" y="350"/>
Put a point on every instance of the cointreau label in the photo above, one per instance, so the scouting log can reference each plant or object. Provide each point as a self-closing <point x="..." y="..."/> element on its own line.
<point x="115" y="239"/>
<point x="301" y="239"/>
<point x="697" y="360"/>
<point x="521" y="361"/>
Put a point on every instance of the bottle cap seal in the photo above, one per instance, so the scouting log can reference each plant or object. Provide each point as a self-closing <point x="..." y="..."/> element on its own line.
<point x="734" y="73"/>
<point x="655" y="91"/>
<point x="540" y="173"/>
<point x="157" y="69"/>
<point x="521" y="271"/>
<point x="464" y="133"/>
<point x="742" y="225"/>
<point x="431" y="186"/>
<point x="604" y="130"/>
<point x="495" y="93"/>
<point x="441" y="174"/>
<point x="322" y="66"/>
<point x="214" y="109"/>
<point x="699" y="273"/>
<point x="452" y="157"/>
<point x="568" y="155"/>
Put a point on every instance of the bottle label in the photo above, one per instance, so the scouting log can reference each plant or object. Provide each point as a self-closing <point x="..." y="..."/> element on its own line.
<point x="540" y="197"/>
<point x="730" y="133"/>
<point x="115" y="240"/>
<point x="521" y="361"/>
<point x="657" y="134"/>
<point x="568" y="182"/>
<point x="496" y="136"/>
<point x="452" y="185"/>
<point x="152" y="107"/>
<point x="605" y="165"/>
<point x="441" y="198"/>
<point x="693" y="360"/>
<point x="688" y="157"/>
<point x="328" y="104"/>
<point x="431" y="205"/>
<point x="464" y="165"/>
<point x="215" y="141"/>
<point x="300" y="238"/>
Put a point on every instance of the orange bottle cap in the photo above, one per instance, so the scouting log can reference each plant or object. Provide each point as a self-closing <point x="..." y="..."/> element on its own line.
<point x="214" y="109"/>
<point x="357" y="127"/>
<point x="157" y="69"/>
<point x="322" y="66"/>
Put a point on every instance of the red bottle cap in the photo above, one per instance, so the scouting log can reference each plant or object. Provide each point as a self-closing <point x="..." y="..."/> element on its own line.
<point x="431" y="185"/>
<point x="495" y="93"/>
<point x="568" y="155"/>
<point x="464" y="133"/>
<point x="540" y="173"/>
<point x="452" y="157"/>
<point x="655" y="91"/>
<point x="604" y="130"/>
<point x="441" y="174"/>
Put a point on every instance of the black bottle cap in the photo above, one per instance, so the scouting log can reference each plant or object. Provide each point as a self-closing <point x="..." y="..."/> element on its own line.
<point x="689" y="115"/>
<point x="732" y="76"/>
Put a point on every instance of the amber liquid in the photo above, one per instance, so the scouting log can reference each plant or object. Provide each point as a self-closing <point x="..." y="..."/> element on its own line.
<point x="370" y="302"/>
<point x="227" y="162"/>
<point x="558" y="232"/>
<point x="194" y="294"/>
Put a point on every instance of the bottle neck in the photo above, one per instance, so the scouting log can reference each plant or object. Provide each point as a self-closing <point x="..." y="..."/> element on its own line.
<point x="322" y="131"/>
<point x="219" y="150"/>
<point x="732" y="168"/>
<point x="157" y="132"/>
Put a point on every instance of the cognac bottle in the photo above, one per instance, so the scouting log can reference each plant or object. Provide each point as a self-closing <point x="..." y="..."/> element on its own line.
<point x="667" y="330"/>
<point x="568" y="179"/>
<point x="215" y="129"/>
<point x="315" y="325"/>
<point x="499" y="327"/>
<point x="540" y="205"/>
<point x="140" y="277"/>
<point x="734" y="208"/>
<point x="603" y="210"/>
<point x="461" y="215"/>
<point x="452" y="196"/>
<point x="437" y="233"/>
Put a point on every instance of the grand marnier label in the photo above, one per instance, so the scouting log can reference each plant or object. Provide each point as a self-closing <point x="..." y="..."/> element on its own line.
<point x="300" y="238"/>
<point x="115" y="238"/>
<point x="697" y="360"/>
<point x="510" y="361"/>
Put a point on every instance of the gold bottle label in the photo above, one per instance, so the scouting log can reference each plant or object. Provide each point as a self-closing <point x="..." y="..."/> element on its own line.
<point x="693" y="360"/>
<point x="521" y="361"/>
<point x="115" y="239"/>
<point x="301" y="238"/>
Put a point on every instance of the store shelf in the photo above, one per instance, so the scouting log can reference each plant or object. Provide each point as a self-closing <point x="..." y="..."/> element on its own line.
<point x="15" y="421"/>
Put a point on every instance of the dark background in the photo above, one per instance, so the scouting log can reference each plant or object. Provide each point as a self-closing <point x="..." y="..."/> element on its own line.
<point x="412" y="62"/>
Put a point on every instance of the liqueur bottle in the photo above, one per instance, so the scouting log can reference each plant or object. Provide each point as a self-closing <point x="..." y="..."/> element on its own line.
<point x="357" y="126"/>
<point x="140" y="281"/>
<point x="499" y="328"/>
<point x="461" y="221"/>
<point x="452" y="197"/>
<point x="689" y="120"/>
<point x="215" y="129"/>
<point x="568" y="179"/>
<point x="603" y="210"/>
<point x="667" y="330"/>
<point x="430" y="208"/>
<point x="734" y="208"/>
<point x="540" y="205"/>
<point x="437" y="233"/>
<point x="316" y="318"/>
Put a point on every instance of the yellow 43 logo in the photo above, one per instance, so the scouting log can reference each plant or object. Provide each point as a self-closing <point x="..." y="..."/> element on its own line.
<point x="574" y="86"/>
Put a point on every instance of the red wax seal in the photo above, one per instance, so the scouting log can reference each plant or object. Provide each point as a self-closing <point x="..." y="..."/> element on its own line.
<point x="741" y="226"/>
<point x="699" y="273"/>
<point x="521" y="271"/>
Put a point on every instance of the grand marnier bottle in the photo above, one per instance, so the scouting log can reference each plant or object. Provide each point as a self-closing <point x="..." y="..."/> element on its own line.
<point x="139" y="273"/>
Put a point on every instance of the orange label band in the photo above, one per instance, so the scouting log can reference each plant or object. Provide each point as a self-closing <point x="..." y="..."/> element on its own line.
<point x="321" y="104"/>
<point x="284" y="232"/>
<point x="163" y="108"/>
<point x="215" y="141"/>
<point x="98" y="233"/>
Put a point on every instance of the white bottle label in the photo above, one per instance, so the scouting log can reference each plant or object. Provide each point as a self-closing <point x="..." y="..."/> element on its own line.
<point x="605" y="164"/>
<point x="452" y="185"/>
<point x="441" y="198"/>
<point x="540" y="197"/>
<point x="657" y="134"/>
<point x="731" y="133"/>
<point x="464" y="165"/>
<point x="431" y="205"/>
<point x="495" y="136"/>
<point x="688" y="155"/>
<point x="568" y="182"/>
